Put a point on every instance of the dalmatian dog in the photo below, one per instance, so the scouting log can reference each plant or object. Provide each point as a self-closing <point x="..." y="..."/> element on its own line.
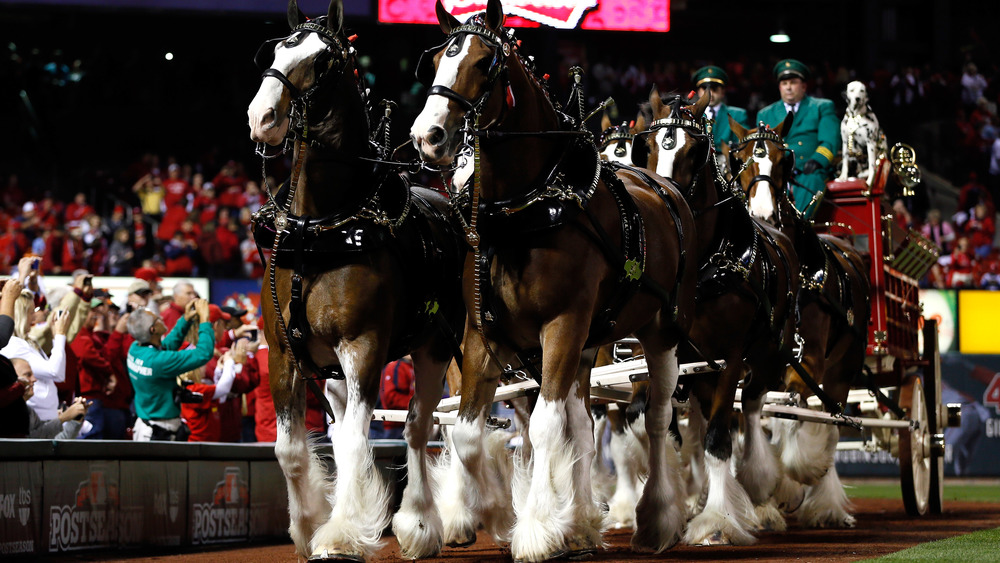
<point x="862" y="137"/>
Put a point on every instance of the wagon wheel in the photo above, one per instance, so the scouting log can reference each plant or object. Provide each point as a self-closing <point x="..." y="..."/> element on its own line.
<point x="915" y="460"/>
<point x="935" y="414"/>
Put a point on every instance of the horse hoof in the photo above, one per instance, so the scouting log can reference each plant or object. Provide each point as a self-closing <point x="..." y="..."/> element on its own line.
<point x="717" y="538"/>
<point x="579" y="548"/>
<point x="794" y="505"/>
<point x="336" y="555"/>
<point x="466" y="542"/>
<point x="560" y="554"/>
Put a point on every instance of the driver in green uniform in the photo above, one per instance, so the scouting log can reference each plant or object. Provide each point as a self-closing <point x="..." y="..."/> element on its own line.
<point x="814" y="136"/>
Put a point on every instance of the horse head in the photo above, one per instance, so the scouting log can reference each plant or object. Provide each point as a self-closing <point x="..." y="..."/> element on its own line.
<point x="676" y="139"/>
<point x="294" y="67"/>
<point x="616" y="140"/>
<point x="762" y="166"/>
<point x="461" y="76"/>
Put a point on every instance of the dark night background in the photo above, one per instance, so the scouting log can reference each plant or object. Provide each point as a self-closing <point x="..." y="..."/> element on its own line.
<point x="85" y="88"/>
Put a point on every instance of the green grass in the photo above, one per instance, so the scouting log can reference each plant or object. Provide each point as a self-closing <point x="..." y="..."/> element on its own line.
<point x="983" y="545"/>
<point x="975" y="493"/>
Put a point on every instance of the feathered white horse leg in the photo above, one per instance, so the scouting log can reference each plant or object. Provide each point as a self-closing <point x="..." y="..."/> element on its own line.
<point x="759" y="470"/>
<point x="621" y="507"/>
<point x="826" y="504"/>
<point x="693" y="456"/>
<point x="417" y="524"/>
<point x="803" y="449"/>
<point x="588" y="517"/>
<point x="545" y="513"/>
<point x="660" y="513"/>
<point x="361" y="497"/>
<point x="473" y="487"/>
<point x="305" y="477"/>
<point x="600" y="474"/>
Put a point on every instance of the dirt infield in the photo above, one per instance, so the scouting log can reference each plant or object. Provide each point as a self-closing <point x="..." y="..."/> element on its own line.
<point x="882" y="528"/>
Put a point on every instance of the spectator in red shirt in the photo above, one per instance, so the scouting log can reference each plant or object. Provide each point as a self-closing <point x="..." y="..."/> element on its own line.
<point x="97" y="378"/>
<point x="152" y="277"/>
<point x="203" y="417"/>
<point x="183" y="293"/>
<point x="52" y="257"/>
<point x="265" y="420"/>
<point x="206" y="204"/>
<point x="963" y="262"/>
<point x="13" y="245"/>
<point x="395" y="394"/>
<point x="74" y="254"/>
<point x="229" y="183"/>
<point x="980" y="229"/>
<point x="177" y="188"/>
<point x="247" y="377"/>
<point x="79" y="209"/>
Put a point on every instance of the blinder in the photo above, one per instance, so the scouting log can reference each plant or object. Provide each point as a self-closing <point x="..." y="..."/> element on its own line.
<point x="426" y="71"/>
<point x="619" y="134"/>
<point x="324" y="63"/>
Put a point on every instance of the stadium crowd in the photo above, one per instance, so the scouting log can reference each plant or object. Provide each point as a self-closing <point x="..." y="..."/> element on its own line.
<point x="169" y="366"/>
<point x="191" y="218"/>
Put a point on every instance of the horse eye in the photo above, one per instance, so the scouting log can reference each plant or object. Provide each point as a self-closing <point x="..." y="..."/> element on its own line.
<point x="291" y="42"/>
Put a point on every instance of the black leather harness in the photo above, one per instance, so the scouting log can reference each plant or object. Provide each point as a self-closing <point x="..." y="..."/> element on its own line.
<point x="310" y="246"/>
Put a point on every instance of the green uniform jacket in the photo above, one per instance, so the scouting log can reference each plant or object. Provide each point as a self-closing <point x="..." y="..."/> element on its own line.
<point x="153" y="371"/>
<point x="815" y="135"/>
<point x="721" y="131"/>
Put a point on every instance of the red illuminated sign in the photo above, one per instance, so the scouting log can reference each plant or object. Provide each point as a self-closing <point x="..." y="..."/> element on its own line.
<point x="618" y="15"/>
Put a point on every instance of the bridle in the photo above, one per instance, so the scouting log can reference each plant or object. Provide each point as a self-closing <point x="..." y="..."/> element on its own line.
<point x="502" y="43"/>
<point x="760" y="138"/>
<point x="620" y="135"/>
<point x="328" y="67"/>
<point x="697" y="130"/>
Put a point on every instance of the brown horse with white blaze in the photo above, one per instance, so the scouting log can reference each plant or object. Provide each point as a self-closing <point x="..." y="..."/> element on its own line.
<point x="744" y="315"/>
<point x="568" y="255"/>
<point x="361" y="263"/>
<point x="833" y="305"/>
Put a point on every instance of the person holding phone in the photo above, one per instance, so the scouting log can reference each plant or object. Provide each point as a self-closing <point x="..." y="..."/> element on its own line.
<point x="154" y="362"/>
<point x="65" y="426"/>
<point x="48" y="369"/>
<point x="98" y="377"/>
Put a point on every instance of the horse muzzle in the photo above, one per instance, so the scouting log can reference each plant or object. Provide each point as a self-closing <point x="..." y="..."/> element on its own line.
<point x="268" y="123"/>
<point x="433" y="145"/>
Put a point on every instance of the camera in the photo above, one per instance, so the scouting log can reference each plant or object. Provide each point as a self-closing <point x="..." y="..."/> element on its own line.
<point x="184" y="395"/>
<point x="252" y="333"/>
<point x="129" y="307"/>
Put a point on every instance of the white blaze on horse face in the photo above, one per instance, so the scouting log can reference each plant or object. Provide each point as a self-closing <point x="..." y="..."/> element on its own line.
<point x="436" y="118"/>
<point x="267" y="114"/>
<point x="665" y="160"/>
<point x="762" y="201"/>
<point x="609" y="153"/>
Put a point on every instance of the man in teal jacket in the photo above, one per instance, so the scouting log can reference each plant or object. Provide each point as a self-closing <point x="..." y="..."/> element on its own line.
<point x="815" y="133"/>
<point x="154" y="362"/>
<point x="714" y="79"/>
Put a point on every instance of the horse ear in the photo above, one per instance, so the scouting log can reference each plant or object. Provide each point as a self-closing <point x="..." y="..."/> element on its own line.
<point x="785" y="125"/>
<point x="605" y="122"/>
<point x="335" y="16"/>
<point x="640" y="124"/>
<point x="739" y="130"/>
<point x="655" y="101"/>
<point x="295" y="15"/>
<point x="447" y="21"/>
<point x="702" y="104"/>
<point x="494" y="14"/>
